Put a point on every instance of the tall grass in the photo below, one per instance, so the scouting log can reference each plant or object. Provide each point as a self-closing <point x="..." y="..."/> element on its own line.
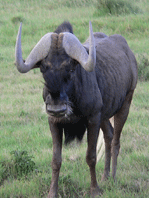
<point x="23" y="123"/>
<point x="116" y="7"/>
<point x="143" y="67"/>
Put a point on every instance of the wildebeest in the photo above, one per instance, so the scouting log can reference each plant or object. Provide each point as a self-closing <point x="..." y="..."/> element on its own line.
<point x="85" y="85"/>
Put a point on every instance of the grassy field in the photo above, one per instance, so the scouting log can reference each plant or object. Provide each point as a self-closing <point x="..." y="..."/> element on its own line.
<point x="25" y="139"/>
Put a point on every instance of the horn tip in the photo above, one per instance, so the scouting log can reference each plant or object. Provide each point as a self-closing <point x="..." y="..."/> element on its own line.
<point x="90" y="26"/>
<point x="90" y="23"/>
<point x="20" y="25"/>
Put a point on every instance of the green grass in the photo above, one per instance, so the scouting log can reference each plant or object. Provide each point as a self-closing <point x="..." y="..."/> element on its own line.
<point x="24" y="125"/>
<point x="116" y="7"/>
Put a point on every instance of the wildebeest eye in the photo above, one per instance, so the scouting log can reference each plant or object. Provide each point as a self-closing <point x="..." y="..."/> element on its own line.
<point x="73" y="66"/>
<point x="66" y="78"/>
<point x="72" y="70"/>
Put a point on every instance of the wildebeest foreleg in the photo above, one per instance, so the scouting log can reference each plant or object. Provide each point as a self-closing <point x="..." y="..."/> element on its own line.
<point x="108" y="135"/>
<point x="119" y="121"/>
<point x="57" y="132"/>
<point x="92" y="136"/>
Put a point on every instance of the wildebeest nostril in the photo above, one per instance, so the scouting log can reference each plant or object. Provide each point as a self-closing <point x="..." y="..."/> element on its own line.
<point x="56" y="110"/>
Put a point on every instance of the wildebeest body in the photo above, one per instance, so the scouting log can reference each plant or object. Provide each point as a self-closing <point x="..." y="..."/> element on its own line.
<point x="83" y="93"/>
<point x="102" y="90"/>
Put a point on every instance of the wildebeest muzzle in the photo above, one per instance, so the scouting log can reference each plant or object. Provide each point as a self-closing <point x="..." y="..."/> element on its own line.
<point x="56" y="110"/>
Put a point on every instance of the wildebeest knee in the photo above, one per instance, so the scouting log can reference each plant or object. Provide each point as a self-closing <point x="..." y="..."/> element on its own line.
<point x="56" y="164"/>
<point x="115" y="147"/>
<point x="108" y="139"/>
<point x="91" y="159"/>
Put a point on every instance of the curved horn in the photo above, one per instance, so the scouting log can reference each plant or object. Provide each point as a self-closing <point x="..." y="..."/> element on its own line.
<point x="75" y="50"/>
<point x="39" y="52"/>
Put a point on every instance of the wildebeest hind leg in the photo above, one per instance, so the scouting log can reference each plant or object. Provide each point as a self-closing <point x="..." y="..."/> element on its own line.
<point x="108" y="135"/>
<point x="119" y="121"/>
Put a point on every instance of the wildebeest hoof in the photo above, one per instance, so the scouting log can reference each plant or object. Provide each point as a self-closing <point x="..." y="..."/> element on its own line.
<point x="52" y="195"/>
<point x="96" y="192"/>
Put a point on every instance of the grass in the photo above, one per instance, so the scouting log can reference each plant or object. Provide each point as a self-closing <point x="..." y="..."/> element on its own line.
<point x="116" y="7"/>
<point x="24" y="125"/>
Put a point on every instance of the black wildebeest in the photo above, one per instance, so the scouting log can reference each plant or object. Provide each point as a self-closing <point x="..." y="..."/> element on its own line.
<point x="85" y="85"/>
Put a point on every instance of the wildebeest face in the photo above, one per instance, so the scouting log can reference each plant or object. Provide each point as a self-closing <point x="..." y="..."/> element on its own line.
<point x="58" y="74"/>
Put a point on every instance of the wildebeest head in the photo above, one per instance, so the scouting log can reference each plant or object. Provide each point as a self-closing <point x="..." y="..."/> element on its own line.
<point x="57" y="56"/>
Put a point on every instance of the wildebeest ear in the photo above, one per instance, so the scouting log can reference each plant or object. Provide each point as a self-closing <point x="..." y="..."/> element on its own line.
<point x="38" y="64"/>
<point x="44" y="65"/>
<point x="43" y="68"/>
